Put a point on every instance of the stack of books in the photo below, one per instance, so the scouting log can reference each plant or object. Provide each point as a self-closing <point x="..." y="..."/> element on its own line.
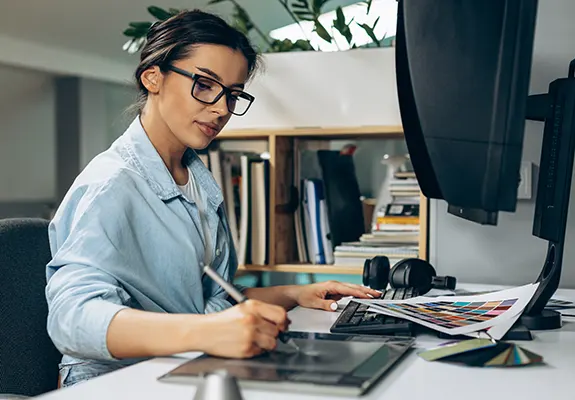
<point x="395" y="231"/>
<point x="398" y="221"/>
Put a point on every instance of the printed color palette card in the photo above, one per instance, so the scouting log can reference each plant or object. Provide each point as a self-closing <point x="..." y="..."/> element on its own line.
<point x="461" y="315"/>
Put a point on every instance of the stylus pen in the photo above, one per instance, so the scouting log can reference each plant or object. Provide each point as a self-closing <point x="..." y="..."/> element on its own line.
<point x="239" y="297"/>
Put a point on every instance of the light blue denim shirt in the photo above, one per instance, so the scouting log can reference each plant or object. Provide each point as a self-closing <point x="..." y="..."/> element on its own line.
<point x="125" y="236"/>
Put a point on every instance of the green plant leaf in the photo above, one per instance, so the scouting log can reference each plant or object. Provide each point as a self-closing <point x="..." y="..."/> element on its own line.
<point x="159" y="13"/>
<point x="300" y="4"/>
<point x="303" y="44"/>
<point x="174" y="11"/>
<point x="242" y="20"/>
<point x="304" y="15"/>
<point x="127" y="45"/>
<point x="368" y="6"/>
<point x="369" y="30"/>
<point x="321" y="31"/>
<point x="340" y="18"/>
<point x="287" y="45"/>
<point x="132" y="32"/>
<point x="341" y="26"/>
<point x="317" y="6"/>
<point x="141" y="25"/>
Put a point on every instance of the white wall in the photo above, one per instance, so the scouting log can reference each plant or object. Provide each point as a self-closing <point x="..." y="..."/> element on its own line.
<point x="27" y="141"/>
<point x="93" y="133"/>
<point x="27" y="132"/>
<point x="297" y="89"/>
<point x="104" y="118"/>
<point x="509" y="253"/>
<point x="117" y="99"/>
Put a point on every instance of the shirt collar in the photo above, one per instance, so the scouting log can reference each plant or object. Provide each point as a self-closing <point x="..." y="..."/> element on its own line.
<point x="149" y="163"/>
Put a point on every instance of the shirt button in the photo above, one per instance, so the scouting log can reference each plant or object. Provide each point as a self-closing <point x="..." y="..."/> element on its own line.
<point x="218" y="252"/>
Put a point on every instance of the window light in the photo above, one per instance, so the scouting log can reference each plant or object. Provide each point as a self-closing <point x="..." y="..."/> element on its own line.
<point x="386" y="10"/>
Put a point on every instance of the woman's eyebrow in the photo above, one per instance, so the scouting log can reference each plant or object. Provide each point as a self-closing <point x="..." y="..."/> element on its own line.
<point x="216" y="76"/>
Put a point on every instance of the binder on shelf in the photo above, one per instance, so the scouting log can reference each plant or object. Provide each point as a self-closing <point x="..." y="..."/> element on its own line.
<point x="317" y="229"/>
<point x="343" y="197"/>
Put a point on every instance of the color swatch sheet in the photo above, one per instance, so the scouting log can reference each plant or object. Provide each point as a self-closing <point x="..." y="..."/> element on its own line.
<point x="493" y="313"/>
<point x="552" y="304"/>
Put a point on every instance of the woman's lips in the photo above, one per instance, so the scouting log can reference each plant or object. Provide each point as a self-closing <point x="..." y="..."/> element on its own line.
<point x="209" y="130"/>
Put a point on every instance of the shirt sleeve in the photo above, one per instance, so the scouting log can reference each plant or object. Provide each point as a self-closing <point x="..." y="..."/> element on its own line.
<point x="82" y="296"/>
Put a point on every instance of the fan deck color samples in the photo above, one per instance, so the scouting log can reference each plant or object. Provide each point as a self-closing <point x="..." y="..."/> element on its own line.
<point x="453" y="314"/>
<point x="482" y="353"/>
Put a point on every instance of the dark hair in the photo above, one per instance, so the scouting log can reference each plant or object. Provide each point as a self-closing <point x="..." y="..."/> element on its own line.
<point x="175" y="38"/>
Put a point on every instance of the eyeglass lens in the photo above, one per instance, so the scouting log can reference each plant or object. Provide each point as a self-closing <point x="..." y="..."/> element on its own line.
<point x="207" y="90"/>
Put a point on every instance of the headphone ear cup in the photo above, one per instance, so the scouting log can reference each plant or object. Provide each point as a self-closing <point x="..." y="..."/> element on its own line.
<point x="421" y="275"/>
<point x="376" y="272"/>
<point x="412" y="273"/>
<point x="398" y="276"/>
<point x="365" y="275"/>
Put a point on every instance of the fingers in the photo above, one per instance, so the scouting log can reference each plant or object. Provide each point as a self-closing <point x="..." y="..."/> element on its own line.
<point x="259" y="335"/>
<point x="267" y="328"/>
<point x="272" y="313"/>
<point x="349" y="289"/>
<point x="369" y="291"/>
<point x="327" y="305"/>
<point x="264" y="342"/>
<point x="257" y="343"/>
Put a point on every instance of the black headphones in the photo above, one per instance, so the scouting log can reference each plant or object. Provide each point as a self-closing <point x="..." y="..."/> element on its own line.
<point x="407" y="273"/>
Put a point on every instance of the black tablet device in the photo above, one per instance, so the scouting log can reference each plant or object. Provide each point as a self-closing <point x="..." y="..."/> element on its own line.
<point x="329" y="364"/>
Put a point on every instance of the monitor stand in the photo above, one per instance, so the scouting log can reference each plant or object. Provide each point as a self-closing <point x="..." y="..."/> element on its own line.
<point x="557" y="109"/>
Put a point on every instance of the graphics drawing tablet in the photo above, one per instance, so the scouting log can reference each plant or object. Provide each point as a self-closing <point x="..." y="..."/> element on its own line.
<point x="329" y="364"/>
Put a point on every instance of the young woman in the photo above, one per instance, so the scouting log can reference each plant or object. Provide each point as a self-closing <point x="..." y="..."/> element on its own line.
<point x="132" y="234"/>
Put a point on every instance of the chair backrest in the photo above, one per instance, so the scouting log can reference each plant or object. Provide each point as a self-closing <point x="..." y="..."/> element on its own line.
<point x="28" y="358"/>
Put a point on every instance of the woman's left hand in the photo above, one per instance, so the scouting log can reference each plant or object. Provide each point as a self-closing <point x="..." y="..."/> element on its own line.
<point x="324" y="295"/>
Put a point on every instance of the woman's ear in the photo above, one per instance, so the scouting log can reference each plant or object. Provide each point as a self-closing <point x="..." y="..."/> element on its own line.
<point x="151" y="79"/>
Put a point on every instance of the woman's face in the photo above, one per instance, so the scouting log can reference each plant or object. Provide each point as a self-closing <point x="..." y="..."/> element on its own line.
<point x="193" y="122"/>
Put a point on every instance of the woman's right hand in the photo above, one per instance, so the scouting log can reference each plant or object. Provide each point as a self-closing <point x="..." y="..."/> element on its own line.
<point x="245" y="330"/>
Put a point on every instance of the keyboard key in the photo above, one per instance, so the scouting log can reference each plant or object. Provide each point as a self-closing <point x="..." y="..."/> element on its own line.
<point x="372" y="322"/>
<point x="362" y="308"/>
<point x="357" y="319"/>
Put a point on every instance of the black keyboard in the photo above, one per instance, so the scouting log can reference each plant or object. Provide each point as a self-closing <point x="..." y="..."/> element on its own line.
<point x="356" y="319"/>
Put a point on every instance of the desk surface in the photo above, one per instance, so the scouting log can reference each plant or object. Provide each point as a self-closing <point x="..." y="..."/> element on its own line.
<point x="411" y="378"/>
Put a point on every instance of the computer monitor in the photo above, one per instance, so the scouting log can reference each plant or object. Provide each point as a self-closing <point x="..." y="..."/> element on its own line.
<point x="463" y="71"/>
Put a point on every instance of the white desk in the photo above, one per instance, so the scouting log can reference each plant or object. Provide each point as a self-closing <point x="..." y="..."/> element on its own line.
<point x="412" y="378"/>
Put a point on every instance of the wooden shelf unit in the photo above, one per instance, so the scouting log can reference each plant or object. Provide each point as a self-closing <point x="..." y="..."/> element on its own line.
<point x="317" y="132"/>
<point x="283" y="250"/>
<point x="305" y="268"/>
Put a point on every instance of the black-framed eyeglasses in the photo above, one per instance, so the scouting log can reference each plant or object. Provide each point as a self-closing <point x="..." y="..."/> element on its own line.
<point x="209" y="91"/>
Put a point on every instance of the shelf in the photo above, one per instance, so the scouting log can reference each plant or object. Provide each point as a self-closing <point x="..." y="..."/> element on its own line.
<point x="315" y="132"/>
<point x="306" y="268"/>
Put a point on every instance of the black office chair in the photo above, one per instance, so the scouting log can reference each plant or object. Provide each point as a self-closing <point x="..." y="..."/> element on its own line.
<point x="28" y="358"/>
